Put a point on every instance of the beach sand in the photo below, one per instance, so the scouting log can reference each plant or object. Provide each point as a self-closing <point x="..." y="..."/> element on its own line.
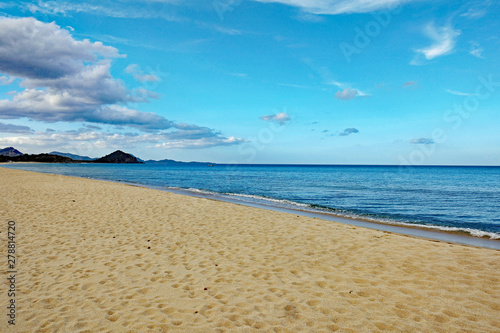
<point x="97" y="256"/>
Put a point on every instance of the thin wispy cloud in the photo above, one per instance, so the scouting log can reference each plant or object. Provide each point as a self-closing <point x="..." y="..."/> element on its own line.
<point x="335" y="83"/>
<point x="129" y="9"/>
<point x="227" y="31"/>
<point x="242" y="75"/>
<point x="334" y="7"/>
<point x="422" y="141"/>
<point x="474" y="13"/>
<point x="477" y="10"/>
<point x="218" y="28"/>
<point x="189" y="46"/>
<point x="308" y="17"/>
<point x="410" y="84"/>
<point x="444" y="40"/>
<point x="458" y="93"/>
<point x="292" y="85"/>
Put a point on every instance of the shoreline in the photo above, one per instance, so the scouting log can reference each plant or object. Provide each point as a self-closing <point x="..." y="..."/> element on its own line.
<point x="100" y="255"/>
<point x="456" y="237"/>
<point x="417" y="230"/>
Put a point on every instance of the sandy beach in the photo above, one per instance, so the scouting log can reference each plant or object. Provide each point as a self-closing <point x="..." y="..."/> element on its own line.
<point x="96" y="256"/>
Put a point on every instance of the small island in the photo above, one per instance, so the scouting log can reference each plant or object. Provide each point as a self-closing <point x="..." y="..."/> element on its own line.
<point x="117" y="157"/>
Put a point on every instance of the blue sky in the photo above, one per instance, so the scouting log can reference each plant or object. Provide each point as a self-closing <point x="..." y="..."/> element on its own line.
<point x="254" y="81"/>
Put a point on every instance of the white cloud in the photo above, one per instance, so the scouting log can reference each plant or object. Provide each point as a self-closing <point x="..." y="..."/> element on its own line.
<point x="347" y="94"/>
<point x="476" y="50"/>
<point x="333" y="7"/>
<point x="281" y="118"/>
<point x="66" y="80"/>
<point x="348" y="131"/>
<point x="444" y="39"/>
<point x="56" y="53"/>
<point x="140" y="76"/>
<point x="5" y="80"/>
<point x="88" y="139"/>
<point x="200" y="143"/>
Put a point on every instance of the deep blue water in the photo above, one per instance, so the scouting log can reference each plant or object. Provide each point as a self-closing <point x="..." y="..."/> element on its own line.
<point x="449" y="198"/>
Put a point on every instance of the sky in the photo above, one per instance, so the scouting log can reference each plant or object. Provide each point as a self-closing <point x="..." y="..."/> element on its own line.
<point x="399" y="82"/>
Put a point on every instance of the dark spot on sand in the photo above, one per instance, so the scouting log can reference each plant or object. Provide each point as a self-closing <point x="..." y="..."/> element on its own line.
<point x="216" y="265"/>
<point x="196" y="312"/>
<point x="205" y="288"/>
<point x="148" y="240"/>
<point x="350" y="292"/>
<point x="149" y="247"/>
<point x="73" y="200"/>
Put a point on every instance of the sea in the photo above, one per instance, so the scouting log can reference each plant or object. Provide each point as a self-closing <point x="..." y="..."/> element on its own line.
<point x="454" y="199"/>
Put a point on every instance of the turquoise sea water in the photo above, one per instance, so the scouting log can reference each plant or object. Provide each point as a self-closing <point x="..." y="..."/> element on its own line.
<point x="461" y="199"/>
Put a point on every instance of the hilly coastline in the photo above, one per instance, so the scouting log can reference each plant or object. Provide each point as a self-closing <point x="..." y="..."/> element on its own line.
<point x="11" y="154"/>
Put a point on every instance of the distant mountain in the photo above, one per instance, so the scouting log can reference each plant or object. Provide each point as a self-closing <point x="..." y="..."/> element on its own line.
<point x="117" y="157"/>
<point x="167" y="161"/>
<point x="138" y="159"/>
<point x="10" y="151"/>
<point x="44" y="158"/>
<point x="14" y="155"/>
<point x="73" y="156"/>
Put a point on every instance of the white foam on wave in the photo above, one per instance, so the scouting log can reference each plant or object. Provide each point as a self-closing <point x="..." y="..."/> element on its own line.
<point x="472" y="232"/>
<point x="258" y="197"/>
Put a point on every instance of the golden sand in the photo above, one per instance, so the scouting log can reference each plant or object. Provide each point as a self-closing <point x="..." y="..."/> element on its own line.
<point x="97" y="256"/>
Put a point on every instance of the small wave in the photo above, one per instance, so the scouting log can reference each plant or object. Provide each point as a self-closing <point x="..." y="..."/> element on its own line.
<point x="258" y="197"/>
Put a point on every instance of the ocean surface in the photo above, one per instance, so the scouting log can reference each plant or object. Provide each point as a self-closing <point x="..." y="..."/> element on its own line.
<point x="455" y="199"/>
